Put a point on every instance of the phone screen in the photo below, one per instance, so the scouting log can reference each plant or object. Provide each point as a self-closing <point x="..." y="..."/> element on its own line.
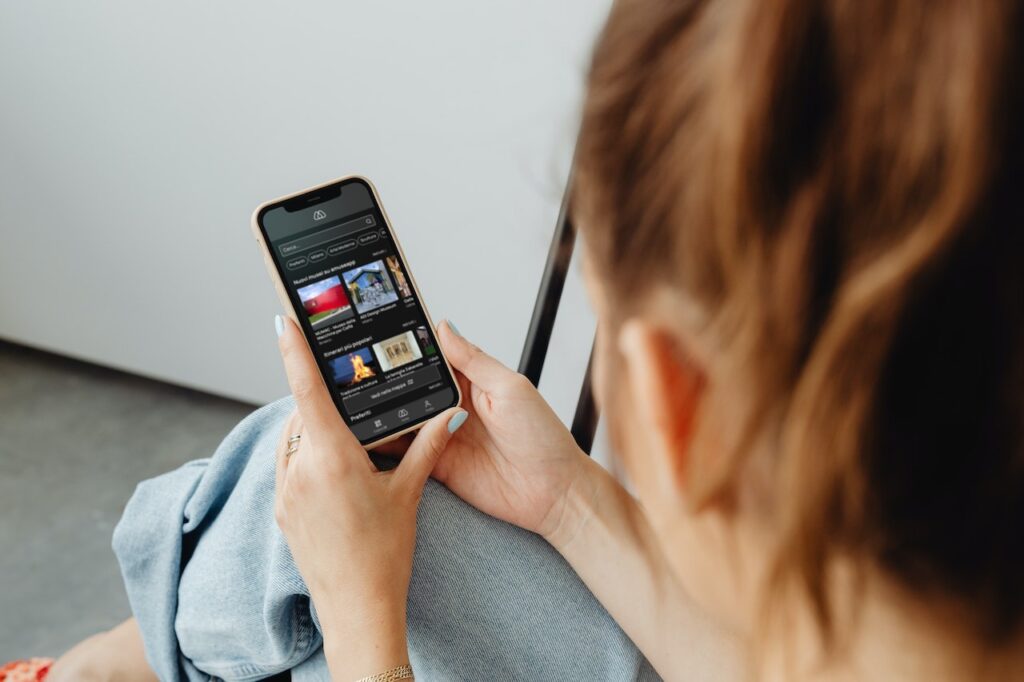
<point x="359" y="308"/>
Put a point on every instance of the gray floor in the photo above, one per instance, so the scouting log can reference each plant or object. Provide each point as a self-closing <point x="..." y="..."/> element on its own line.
<point x="74" y="441"/>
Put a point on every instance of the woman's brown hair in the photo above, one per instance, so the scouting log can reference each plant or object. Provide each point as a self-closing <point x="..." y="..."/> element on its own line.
<point x="833" y="184"/>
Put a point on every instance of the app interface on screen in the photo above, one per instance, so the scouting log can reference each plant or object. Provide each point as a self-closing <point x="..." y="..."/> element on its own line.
<point x="365" y="322"/>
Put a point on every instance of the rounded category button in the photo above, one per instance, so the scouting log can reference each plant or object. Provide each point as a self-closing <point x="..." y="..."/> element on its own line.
<point x="368" y="238"/>
<point x="335" y="249"/>
<point x="317" y="256"/>
<point x="296" y="262"/>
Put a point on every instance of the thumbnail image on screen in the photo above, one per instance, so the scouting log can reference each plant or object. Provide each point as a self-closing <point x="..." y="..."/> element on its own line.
<point x="400" y="280"/>
<point x="353" y="368"/>
<point x="425" y="343"/>
<point x="397" y="351"/>
<point x="369" y="286"/>
<point x="325" y="302"/>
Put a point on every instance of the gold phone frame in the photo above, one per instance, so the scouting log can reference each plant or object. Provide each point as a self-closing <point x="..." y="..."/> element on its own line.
<point x="282" y="294"/>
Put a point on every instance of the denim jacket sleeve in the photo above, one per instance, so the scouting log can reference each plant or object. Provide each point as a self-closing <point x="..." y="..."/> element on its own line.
<point x="208" y="573"/>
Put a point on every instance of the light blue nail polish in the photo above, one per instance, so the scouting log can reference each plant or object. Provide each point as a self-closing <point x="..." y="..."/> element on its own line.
<point x="455" y="329"/>
<point x="279" y="324"/>
<point x="458" y="420"/>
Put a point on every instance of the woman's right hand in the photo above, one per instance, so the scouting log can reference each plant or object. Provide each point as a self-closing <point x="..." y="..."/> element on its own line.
<point x="513" y="458"/>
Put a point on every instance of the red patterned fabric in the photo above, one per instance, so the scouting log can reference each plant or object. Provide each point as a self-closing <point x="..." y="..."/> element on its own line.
<point x="32" y="670"/>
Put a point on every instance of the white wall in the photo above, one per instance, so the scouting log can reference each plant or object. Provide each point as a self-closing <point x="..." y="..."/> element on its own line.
<point x="136" y="138"/>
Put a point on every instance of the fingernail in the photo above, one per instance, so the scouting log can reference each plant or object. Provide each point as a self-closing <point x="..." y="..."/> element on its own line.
<point x="279" y="324"/>
<point x="458" y="420"/>
<point x="451" y="325"/>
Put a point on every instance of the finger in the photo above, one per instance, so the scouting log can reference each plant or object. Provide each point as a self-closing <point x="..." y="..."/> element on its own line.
<point x="427" y="447"/>
<point x="479" y="367"/>
<point x="319" y="414"/>
<point x="466" y="388"/>
<point x="292" y="426"/>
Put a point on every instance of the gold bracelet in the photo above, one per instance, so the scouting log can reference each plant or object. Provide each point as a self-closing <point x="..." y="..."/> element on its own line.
<point x="402" y="672"/>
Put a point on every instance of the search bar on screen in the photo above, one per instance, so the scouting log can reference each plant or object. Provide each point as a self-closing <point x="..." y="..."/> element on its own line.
<point x="328" y="235"/>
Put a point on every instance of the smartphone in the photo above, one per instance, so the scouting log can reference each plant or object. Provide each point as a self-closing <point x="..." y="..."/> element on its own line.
<point x="341" y="275"/>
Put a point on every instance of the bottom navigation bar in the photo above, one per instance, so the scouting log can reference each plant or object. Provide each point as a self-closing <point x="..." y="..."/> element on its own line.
<point x="406" y="414"/>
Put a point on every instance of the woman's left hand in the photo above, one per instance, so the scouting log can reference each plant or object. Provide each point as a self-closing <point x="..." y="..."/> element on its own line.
<point x="351" y="528"/>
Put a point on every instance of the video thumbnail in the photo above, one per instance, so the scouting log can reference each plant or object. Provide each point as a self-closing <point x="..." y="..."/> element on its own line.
<point x="325" y="302"/>
<point x="423" y="336"/>
<point x="353" y="368"/>
<point x="400" y="281"/>
<point x="369" y="286"/>
<point x="397" y="351"/>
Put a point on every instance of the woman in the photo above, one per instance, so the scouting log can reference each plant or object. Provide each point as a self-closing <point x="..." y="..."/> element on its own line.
<point x="803" y="242"/>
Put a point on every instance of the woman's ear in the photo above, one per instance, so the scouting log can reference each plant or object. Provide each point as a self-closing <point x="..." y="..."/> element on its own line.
<point x="665" y="387"/>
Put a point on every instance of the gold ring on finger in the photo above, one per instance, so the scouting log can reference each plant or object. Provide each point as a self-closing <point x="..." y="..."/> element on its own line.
<point x="293" y="444"/>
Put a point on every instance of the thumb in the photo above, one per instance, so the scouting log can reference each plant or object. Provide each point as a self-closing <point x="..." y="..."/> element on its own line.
<point x="426" y="448"/>
<point x="313" y="400"/>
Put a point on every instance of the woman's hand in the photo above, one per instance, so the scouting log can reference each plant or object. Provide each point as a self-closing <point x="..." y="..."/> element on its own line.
<point x="513" y="459"/>
<point x="350" y="528"/>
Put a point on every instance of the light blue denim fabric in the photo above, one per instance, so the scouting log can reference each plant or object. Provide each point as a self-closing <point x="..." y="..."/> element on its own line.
<point x="217" y="595"/>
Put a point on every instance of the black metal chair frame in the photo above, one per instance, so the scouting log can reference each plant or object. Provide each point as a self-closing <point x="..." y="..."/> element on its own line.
<point x="542" y="322"/>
